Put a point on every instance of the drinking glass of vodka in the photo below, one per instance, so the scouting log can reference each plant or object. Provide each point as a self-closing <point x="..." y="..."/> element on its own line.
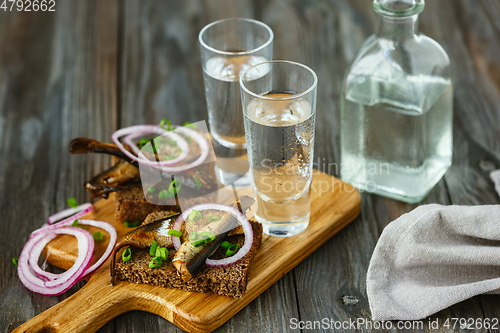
<point x="228" y="48"/>
<point x="279" y="107"/>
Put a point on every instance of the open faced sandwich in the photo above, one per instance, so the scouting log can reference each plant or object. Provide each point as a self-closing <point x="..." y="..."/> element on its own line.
<point x="207" y="247"/>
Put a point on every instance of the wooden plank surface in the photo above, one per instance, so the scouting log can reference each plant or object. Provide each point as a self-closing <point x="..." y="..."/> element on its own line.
<point x="58" y="80"/>
<point x="333" y="205"/>
<point x="94" y="65"/>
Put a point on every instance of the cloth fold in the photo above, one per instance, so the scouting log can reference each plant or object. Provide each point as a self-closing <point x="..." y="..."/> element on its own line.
<point x="433" y="257"/>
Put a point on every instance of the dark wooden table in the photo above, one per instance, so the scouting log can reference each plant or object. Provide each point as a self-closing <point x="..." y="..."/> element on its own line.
<point x="91" y="67"/>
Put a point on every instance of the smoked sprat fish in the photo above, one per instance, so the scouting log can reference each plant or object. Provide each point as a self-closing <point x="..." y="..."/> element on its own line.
<point x="144" y="236"/>
<point x="190" y="258"/>
<point x="199" y="180"/>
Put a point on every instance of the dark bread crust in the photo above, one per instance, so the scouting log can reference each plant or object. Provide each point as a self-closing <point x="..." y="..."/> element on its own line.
<point x="131" y="205"/>
<point x="155" y="216"/>
<point x="228" y="281"/>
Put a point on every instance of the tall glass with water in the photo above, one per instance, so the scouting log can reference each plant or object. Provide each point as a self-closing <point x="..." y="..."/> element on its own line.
<point x="279" y="106"/>
<point x="228" y="48"/>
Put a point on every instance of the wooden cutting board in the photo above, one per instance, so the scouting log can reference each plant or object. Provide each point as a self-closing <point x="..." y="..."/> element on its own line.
<point x="334" y="205"/>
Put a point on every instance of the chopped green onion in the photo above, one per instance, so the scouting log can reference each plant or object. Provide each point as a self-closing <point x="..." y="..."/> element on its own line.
<point x="164" y="253"/>
<point x="173" y="189"/>
<point x="190" y="125"/>
<point x="75" y="224"/>
<point x="225" y="244"/>
<point x="127" y="254"/>
<point x="214" y="218"/>
<point x="155" y="263"/>
<point x="161" y="252"/>
<point x="193" y="235"/>
<point x="164" y="194"/>
<point x="177" y="150"/>
<point x="168" y="158"/>
<point x="175" y="186"/>
<point x="232" y="249"/>
<point x="143" y="142"/>
<point x="188" y="139"/>
<point x="174" y="233"/>
<point x="72" y="202"/>
<point x="152" y="189"/>
<point x="15" y="261"/>
<point x="163" y="121"/>
<point x="207" y="235"/>
<point x="132" y="224"/>
<point x="199" y="242"/>
<point x="149" y="149"/>
<point x="194" y="216"/>
<point x="197" y="181"/>
<point x="152" y="249"/>
<point x="98" y="236"/>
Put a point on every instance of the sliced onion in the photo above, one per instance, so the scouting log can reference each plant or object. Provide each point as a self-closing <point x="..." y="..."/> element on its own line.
<point x="247" y="229"/>
<point x="167" y="165"/>
<point x="47" y="229"/>
<point x="80" y="211"/>
<point x="35" y="254"/>
<point x="64" y="280"/>
<point x="138" y="130"/>
<point x="37" y="250"/>
<point x="70" y="213"/>
<point x="204" y="149"/>
<point x="181" y="143"/>
<point x="112" y="241"/>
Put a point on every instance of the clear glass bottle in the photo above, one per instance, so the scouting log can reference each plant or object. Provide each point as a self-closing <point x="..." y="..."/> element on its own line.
<point x="397" y="108"/>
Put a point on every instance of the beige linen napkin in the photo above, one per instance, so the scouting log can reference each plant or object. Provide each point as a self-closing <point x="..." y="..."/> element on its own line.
<point x="433" y="257"/>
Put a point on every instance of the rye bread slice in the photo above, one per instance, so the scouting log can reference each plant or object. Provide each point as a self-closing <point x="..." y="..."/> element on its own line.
<point x="230" y="281"/>
<point x="131" y="205"/>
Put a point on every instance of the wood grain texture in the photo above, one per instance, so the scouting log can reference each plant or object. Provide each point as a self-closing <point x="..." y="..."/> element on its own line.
<point x="145" y="55"/>
<point x="58" y="80"/>
<point x="333" y="205"/>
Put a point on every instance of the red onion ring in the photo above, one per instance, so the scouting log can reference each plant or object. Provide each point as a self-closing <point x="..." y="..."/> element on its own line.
<point x="70" y="213"/>
<point x="181" y="143"/>
<point x="81" y="211"/>
<point x="247" y="229"/>
<point x="35" y="254"/>
<point x="146" y="129"/>
<point x="65" y="280"/>
<point x="112" y="241"/>
<point x="204" y="148"/>
<point x="37" y="249"/>
<point x="166" y="166"/>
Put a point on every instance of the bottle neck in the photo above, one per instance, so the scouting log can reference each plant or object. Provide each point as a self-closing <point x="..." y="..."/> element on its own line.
<point x="397" y="28"/>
